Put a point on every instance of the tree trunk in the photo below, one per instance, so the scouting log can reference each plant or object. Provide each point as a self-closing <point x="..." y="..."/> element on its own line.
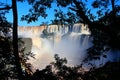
<point x="15" y="40"/>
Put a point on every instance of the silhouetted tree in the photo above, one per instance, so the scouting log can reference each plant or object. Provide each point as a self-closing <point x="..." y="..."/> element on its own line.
<point x="25" y="56"/>
<point x="7" y="58"/>
<point x="10" y="58"/>
<point x="7" y="67"/>
<point x="15" y="39"/>
<point x="58" y="70"/>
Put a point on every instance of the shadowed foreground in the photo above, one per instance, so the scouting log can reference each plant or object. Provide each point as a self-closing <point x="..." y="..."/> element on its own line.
<point x="58" y="70"/>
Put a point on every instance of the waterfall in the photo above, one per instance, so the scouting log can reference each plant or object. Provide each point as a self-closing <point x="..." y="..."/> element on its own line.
<point x="67" y="41"/>
<point x="70" y="44"/>
<point x="59" y="29"/>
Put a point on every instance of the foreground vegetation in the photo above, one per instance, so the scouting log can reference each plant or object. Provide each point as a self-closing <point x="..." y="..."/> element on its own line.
<point x="104" y="27"/>
<point x="58" y="70"/>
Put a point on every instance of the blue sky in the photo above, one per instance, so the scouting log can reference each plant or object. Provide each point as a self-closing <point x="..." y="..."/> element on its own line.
<point x="23" y="9"/>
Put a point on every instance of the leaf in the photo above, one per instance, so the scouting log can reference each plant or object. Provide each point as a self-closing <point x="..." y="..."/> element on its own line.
<point x="95" y="4"/>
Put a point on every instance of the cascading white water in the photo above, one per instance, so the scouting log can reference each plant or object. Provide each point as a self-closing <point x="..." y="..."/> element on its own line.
<point x="71" y="44"/>
<point x="73" y="47"/>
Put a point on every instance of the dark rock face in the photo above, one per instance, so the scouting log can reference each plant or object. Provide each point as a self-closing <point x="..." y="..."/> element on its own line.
<point x="25" y="43"/>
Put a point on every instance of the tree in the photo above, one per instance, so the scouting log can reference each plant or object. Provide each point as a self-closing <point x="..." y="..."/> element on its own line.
<point x="3" y="23"/>
<point x="58" y="70"/>
<point x="6" y="54"/>
<point x="8" y="68"/>
<point x="15" y="39"/>
<point x="25" y="55"/>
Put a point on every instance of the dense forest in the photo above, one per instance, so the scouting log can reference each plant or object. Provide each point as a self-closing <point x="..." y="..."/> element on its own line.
<point x="104" y="25"/>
